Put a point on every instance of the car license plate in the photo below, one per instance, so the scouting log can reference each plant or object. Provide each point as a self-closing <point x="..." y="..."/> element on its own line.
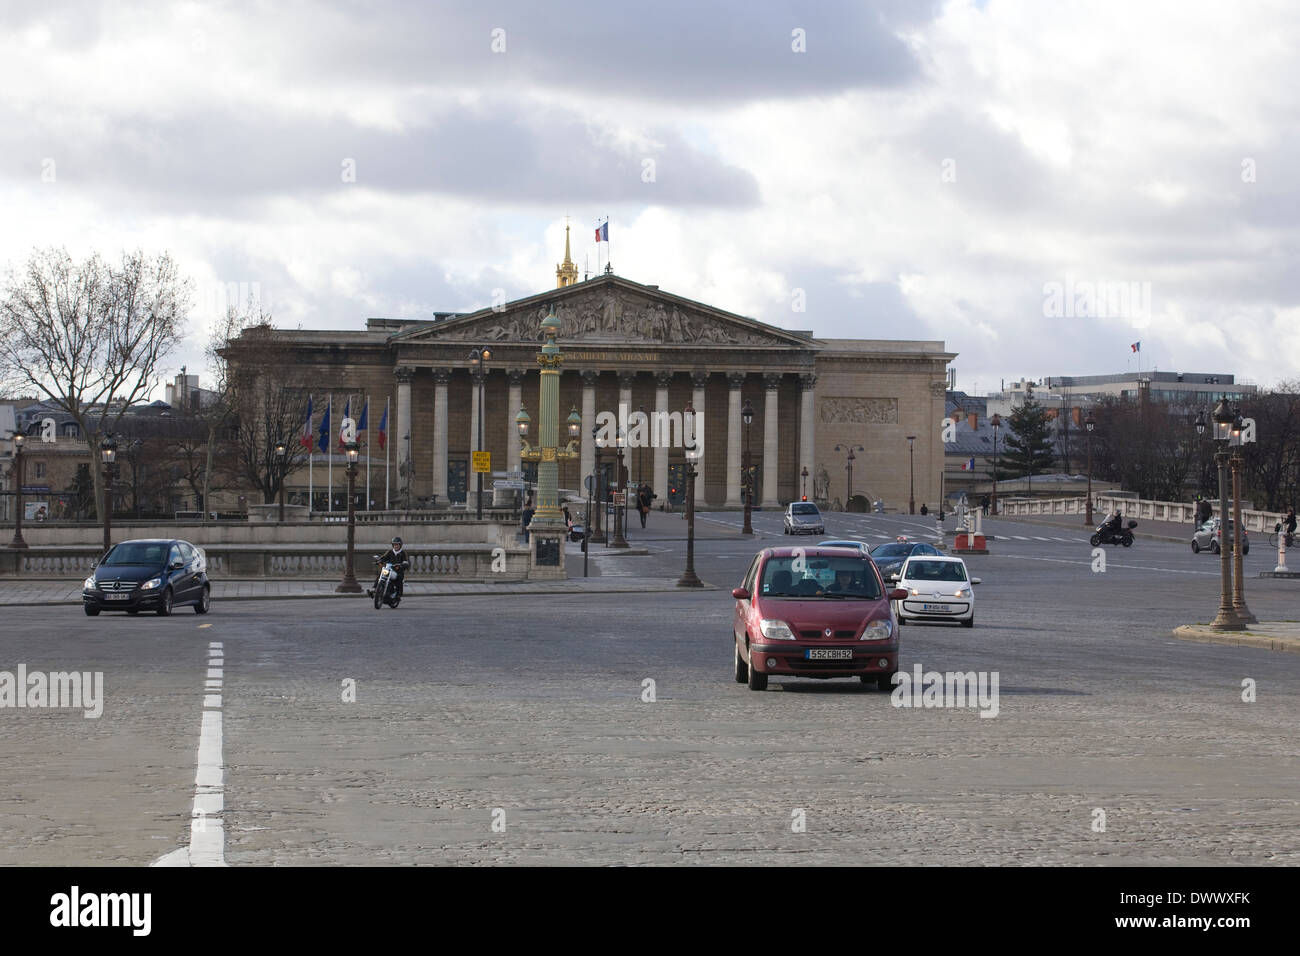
<point x="116" y="597"/>
<point x="829" y="654"/>
<point x="935" y="607"/>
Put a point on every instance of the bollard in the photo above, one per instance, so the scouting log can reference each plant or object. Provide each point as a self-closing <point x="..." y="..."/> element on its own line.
<point x="1281" y="554"/>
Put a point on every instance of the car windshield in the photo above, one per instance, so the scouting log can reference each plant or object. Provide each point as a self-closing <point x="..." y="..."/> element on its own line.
<point x="148" y="553"/>
<point x="935" y="571"/>
<point x="830" y="578"/>
<point x="804" y="508"/>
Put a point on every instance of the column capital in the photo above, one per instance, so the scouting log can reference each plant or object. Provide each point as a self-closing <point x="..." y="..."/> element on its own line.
<point x="515" y="375"/>
<point x="441" y="376"/>
<point x="808" y="380"/>
<point x="663" y="379"/>
<point x="772" y="379"/>
<point x="589" y="377"/>
<point x="700" y="379"/>
<point x="625" y="379"/>
<point x="735" y="380"/>
<point x="404" y="374"/>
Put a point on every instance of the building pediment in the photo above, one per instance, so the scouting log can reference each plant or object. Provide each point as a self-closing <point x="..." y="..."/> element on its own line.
<point x="606" y="311"/>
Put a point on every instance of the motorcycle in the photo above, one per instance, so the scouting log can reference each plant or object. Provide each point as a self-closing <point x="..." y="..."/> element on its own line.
<point x="1106" y="535"/>
<point x="384" y="591"/>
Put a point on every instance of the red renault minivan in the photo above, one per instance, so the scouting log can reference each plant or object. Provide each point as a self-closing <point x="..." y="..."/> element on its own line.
<point x="814" y="612"/>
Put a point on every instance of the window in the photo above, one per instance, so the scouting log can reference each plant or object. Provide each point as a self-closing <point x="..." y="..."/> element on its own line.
<point x="39" y="470"/>
<point x="821" y="578"/>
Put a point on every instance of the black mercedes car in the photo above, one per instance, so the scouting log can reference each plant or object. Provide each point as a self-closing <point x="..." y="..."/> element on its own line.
<point x="154" y="574"/>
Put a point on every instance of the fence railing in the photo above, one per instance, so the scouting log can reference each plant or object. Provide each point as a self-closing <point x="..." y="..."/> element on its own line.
<point x="1141" y="508"/>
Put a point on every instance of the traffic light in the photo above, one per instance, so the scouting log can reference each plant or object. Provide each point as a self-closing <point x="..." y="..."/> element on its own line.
<point x="804" y="498"/>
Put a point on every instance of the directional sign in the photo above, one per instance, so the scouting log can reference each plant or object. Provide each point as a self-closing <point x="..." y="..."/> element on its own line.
<point x="515" y="475"/>
<point x="508" y="483"/>
<point x="482" y="462"/>
<point x="589" y="483"/>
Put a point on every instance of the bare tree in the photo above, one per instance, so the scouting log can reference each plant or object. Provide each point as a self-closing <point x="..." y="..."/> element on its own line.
<point x="91" y="335"/>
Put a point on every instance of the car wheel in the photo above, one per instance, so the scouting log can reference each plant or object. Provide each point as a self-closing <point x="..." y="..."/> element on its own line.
<point x="1095" y="540"/>
<point x="1245" y="550"/>
<point x="757" y="681"/>
<point x="1196" y="548"/>
<point x="90" y="611"/>
<point x="1214" y="547"/>
<point x="742" y="669"/>
<point x="205" y="601"/>
<point x="969" y="622"/>
<point x="165" y="607"/>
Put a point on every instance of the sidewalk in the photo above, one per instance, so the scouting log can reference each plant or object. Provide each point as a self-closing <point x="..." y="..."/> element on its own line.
<point x="1270" y="635"/>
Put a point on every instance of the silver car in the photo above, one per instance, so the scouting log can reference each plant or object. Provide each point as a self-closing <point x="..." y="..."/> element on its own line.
<point x="1207" y="538"/>
<point x="803" y="517"/>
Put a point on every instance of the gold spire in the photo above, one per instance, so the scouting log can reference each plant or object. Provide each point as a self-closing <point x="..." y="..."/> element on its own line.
<point x="566" y="273"/>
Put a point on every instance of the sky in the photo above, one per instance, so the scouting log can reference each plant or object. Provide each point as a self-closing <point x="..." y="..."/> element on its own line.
<point x="1037" y="185"/>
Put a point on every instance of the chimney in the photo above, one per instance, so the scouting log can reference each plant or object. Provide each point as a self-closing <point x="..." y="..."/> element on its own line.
<point x="973" y="420"/>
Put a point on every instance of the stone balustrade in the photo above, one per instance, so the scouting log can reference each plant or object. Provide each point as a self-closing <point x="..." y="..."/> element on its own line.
<point x="1139" y="508"/>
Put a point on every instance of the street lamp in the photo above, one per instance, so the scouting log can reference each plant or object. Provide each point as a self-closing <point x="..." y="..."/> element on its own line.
<point x="594" y="531"/>
<point x="911" y="475"/>
<point x="689" y="578"/>
<point x="1090" y="423"/>
<point x="848" y="466"/>
<point x="1238" y="589"/>
<point x="747" y="416"/>
<point x="18" y="541"/>
<point x="1226" y="619"/>
<point x="573" y="425"/>
<point x="640" y="449"/>
<point x="620" y="510"/>
<point x="804" y="475"/>
<point x="478" y="359"/>
<point x="108" y="455"/>
<point x="349" y="584"/>
<point x="281" y="453"/>
<point x="996" y="422"/>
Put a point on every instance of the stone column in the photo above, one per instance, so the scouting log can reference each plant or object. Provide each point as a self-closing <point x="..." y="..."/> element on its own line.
<point x="516" y="378"/>
<point x="441" y="376"/>
<point x="699" y="381"/>
<point x="735" y="380"/>
<point x="404" y="374"/>
<point x="807" y="442"/>
<point x="476" y="378"/>
<point x="623" y="411"/>
<point x="589" y="376"/>
<point x="771" y="414"/>
<point x="661" y="445"/>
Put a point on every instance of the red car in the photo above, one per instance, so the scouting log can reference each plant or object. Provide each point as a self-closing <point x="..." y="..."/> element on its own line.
<point x="814" y="612"/>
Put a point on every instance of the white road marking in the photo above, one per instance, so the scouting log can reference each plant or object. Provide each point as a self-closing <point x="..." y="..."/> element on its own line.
<point x="207" y="845"/>
<point x="1109" y="564"/>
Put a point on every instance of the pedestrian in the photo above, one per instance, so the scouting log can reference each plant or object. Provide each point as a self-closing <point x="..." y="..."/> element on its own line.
<point x="644" y="497"/>
<point x="1289" y="524"/>
<point x="924" y="510"/>
<point x="568" y="522"/>
<point x="984" y="506"/>
<point x="526" y="516"/>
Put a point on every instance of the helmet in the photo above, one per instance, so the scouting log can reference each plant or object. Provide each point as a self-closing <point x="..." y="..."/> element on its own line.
<point x="397" y="542"/>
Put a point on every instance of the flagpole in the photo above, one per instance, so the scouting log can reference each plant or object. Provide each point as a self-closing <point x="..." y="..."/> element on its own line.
<point x="329" y="451"/>
<point x="366" y="407"/>
<point x="311" y="459"/>
<point x="387" y="476"/>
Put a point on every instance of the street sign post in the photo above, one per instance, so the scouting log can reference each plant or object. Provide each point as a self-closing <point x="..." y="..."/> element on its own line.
<point x="482" y="462"/>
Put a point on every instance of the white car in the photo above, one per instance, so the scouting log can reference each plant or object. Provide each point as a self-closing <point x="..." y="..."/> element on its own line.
<point x="803" y="517"/>
<point x="938" y="589"/>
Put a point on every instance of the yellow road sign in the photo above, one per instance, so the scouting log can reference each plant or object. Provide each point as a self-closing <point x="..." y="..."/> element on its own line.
<point x="482" y="461"/>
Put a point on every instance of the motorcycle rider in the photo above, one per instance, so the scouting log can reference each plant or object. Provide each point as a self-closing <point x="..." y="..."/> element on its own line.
<point x="397" y="557"/>
<point x="1114" y="524"/>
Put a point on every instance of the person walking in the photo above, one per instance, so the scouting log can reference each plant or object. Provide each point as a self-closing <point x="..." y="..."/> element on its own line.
<point x="526" y="516"/>
<point x="644" y="496"/>
<point x="984" y="506"/>
<point x="1289" y="524"/>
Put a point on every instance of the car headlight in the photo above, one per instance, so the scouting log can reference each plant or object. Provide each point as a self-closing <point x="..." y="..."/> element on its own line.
<point x="962" y="592"/>
<point x="776" y="630"/>
<point x="89" y="583"/>
<point x="151" y="584"/>
<point x="916" y="592"/>
<point x="878" y="630"/>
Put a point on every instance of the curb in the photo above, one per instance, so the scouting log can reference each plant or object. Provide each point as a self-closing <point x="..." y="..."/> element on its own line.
<point x="1204" y="634"/>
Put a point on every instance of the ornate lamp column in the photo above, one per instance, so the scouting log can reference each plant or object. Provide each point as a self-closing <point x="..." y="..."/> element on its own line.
<point x="911" y="475"/>
<point x="996" y="422"/>
<point x="546" y="531"/>
<point x="281" y="453"/>
<point x="848" y="467"/>
<point x="804" y="475"/>
<point x="1239" y="607"/>
<point x="747" y="484"/>
<point x="689" y="578"/>
<point x="1226" y="619"/>
<point x="595" y="529"/>
<point x="349" y="583"/>
<point x="1090" y="423"/>
<point x="108" y="455"/>
<point x="18" y="541"/>
<point x="620" y="486"/>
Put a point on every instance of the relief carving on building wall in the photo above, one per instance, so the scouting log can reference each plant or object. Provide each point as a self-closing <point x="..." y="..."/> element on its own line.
<point x="618" y="318"/>
<point x="859" y="411"/>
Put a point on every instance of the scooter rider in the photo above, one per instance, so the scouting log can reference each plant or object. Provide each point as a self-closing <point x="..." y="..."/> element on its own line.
<point x="398" y="559"/>
<point x="1114" y="524"/>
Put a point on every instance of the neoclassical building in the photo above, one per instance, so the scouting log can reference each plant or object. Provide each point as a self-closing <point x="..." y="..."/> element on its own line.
<point x="646" y="349"/>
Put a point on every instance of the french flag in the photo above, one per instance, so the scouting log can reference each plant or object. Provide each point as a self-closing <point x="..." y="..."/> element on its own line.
<point x="968" y="465"/>
<point x="305" y="440"/>
<point x="383" y="429"/>
<point x="602" y="232"/>
<point x="1136" y="346"/>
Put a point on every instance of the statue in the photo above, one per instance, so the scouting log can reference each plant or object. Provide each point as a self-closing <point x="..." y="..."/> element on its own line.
<point x="821" y="484"/>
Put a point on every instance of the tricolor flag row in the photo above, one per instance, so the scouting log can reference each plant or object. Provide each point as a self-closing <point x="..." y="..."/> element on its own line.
<point x="362" y="425"/>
